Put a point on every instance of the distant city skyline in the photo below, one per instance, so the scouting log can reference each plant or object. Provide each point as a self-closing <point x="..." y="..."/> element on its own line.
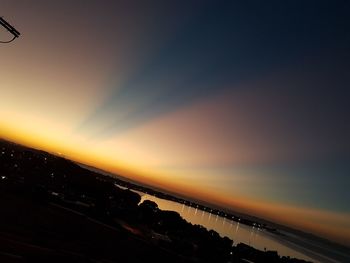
<point x="244" y="105"/>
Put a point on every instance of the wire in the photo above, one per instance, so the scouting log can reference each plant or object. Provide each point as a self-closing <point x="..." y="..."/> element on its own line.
<point x="8" y="40"/>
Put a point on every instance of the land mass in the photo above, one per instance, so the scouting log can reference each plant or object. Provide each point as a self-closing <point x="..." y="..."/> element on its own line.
<point x="54" y="210"/>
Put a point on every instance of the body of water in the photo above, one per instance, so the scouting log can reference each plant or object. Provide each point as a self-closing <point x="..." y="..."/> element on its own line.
<point x="239" y="233"/>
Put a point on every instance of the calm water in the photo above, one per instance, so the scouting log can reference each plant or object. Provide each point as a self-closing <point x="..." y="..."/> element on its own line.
<point x="237" y="232"/>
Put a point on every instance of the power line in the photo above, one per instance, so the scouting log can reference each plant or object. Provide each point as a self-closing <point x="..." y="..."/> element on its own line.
<point x="8" y="40"/>
<point x="9" y="28"/>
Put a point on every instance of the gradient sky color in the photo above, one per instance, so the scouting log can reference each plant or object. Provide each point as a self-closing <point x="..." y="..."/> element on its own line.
<point x="244" y="105"/>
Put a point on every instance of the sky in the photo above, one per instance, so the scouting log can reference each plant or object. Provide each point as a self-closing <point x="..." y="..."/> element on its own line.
<point x="243" y="104"/>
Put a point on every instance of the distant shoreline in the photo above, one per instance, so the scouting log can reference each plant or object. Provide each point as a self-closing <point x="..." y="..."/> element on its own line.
<point x="307" y="248"/>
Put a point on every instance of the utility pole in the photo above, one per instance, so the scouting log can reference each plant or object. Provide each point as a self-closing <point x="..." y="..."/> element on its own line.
<point x="10" y="29"/>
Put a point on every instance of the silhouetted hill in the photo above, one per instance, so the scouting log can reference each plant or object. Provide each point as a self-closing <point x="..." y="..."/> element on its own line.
<point x="54" y="210"/>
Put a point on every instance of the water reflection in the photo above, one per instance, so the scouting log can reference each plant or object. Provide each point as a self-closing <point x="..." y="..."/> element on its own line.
<point x="252" y="236"/>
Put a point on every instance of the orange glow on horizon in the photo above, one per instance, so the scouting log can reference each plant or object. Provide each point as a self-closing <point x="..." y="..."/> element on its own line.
<point x="303" y="218"/>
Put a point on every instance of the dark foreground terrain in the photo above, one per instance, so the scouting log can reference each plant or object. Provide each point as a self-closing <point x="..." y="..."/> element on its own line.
<point x="53" y="210"/>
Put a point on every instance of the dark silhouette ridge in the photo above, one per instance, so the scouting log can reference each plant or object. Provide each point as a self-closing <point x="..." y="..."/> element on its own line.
<point x="54" y="210"/>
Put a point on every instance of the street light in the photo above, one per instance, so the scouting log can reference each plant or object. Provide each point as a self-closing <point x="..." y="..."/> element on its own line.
<point x="9" y="28"/>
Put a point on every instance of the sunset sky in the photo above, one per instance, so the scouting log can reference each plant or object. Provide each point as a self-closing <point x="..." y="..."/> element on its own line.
<point x="241" y="105"/>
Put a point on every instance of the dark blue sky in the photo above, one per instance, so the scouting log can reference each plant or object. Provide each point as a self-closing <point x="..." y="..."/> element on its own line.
<point x="225" y="43"/>
<point x="245" y="103"/>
